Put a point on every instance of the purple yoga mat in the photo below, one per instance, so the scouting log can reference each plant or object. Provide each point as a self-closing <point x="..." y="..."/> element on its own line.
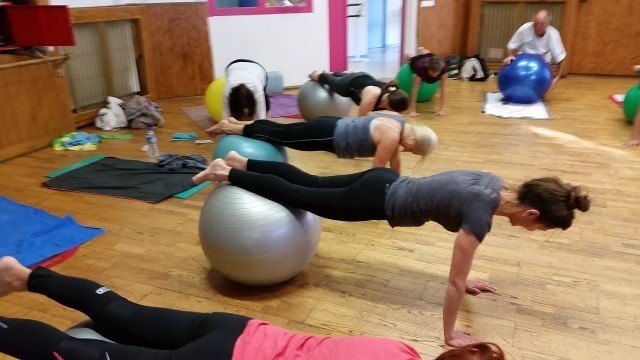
<point x="200" y="116"/>
<point x="284" y="105"/>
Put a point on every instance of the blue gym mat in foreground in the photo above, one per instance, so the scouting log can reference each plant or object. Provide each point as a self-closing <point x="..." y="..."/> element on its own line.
<point x="33" y="235"/>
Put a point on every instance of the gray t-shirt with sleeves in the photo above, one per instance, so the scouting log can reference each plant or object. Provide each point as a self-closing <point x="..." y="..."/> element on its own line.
<point x="456" y="200"/>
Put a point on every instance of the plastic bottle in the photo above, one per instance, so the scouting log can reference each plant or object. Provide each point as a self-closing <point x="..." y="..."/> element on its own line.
<point x="152" y="144"/>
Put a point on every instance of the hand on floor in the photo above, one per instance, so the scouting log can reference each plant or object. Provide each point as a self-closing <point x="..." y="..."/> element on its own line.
<point x="461" y="338"/>
<point x="475" y="287"/>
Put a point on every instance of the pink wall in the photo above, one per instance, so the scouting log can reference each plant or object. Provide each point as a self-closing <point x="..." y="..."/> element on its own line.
<point x="337" y="35"/>
<point x="402" y="34"/>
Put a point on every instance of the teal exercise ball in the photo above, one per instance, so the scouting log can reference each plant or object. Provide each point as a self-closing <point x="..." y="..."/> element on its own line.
<point x="249" y="148"/>
<point x="631" y="103"/>
<point x="405" y="81"/>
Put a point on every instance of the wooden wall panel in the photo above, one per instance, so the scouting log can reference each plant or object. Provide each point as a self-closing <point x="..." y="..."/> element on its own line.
<point x="35" y="107"/>
<point x="443" y="28"/>
<point x="179" y="38"/>
<point x="606" y="37"/>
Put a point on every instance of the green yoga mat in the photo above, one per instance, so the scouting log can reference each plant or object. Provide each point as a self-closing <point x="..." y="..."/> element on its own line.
<point x="194" y="190"/>
<point x="79" y="164"/>
<point x="183" y="195"/>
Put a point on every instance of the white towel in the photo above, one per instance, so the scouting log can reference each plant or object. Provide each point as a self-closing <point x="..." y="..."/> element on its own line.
<point x="493" y="105"/>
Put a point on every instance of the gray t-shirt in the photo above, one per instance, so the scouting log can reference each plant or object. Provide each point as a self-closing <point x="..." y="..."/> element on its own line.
<point x="454" y="199"/>
<point x="352" y="136"/>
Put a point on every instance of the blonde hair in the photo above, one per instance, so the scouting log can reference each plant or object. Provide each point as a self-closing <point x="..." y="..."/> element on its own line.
<point x="425" y="140"/>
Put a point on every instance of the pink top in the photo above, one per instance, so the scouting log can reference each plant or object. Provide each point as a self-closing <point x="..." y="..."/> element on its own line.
<point x="263" y="341"/>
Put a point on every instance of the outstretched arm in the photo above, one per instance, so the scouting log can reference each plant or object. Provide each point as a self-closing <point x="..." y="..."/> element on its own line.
<point x="561" y="66"/>
<point x="513" y="45"/>
<point x="415" y="86"/>
<point x="368" y="101"/>
<point x="443" y="84"/>
<point x="511" y="55"/>
<point x="463" y="252"/>
<point x="395" y="163"/>
<point x="387" y="150"/>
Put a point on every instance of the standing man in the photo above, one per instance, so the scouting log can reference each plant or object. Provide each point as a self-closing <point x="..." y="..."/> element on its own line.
<point x="538" y="37"/>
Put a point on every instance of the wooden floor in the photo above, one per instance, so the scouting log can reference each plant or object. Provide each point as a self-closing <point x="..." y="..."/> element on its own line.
<point x="571" y="294"/>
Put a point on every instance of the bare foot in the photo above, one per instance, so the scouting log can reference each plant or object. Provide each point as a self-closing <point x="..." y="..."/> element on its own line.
<point x="227" y="127"/>
<point x="217" y="171"/>
<point x="13" y="276"/>
<point x="215" y="129"/>
<point x="236" y="160"/>
<point x="235" y="121"/>
<point x="315" y="75"/>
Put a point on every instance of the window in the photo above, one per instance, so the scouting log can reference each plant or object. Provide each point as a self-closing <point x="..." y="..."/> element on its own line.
<point x="258" y="7"/>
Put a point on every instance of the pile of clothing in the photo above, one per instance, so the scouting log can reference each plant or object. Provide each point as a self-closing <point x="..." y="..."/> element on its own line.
<point x="136" y="113"/>
<point x="76" y="141"/>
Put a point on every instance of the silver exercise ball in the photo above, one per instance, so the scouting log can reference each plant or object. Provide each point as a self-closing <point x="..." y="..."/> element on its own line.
<point x="86" y="330"/>
<point x="255" y="241"/>
<point x="315" y="100"/>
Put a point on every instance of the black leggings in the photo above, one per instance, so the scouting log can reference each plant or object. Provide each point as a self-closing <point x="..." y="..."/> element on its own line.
<point x="353" y="197"/>
<point x="316" y="135"/>
<point x="143" y="333"/>
<point x="348" y="84"/>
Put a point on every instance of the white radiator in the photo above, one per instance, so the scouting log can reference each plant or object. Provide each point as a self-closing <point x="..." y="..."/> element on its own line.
<point x="89" y="81"/>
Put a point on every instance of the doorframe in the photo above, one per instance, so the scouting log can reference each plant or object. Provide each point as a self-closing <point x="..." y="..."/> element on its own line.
<point x="338" y="31"/>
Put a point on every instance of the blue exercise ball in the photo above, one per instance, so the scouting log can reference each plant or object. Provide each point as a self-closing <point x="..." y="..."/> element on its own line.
<point x="249" y="148"/>
<point x="525" y="80"/>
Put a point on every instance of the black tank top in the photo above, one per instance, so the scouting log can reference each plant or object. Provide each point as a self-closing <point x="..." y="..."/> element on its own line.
<point x="361" y="81"/>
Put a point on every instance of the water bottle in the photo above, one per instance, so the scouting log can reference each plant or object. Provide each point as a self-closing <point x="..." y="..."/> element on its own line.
<point x="152" y="144"/>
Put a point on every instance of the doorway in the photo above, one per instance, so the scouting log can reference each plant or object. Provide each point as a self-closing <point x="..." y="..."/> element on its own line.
<point x="374" y="36"/>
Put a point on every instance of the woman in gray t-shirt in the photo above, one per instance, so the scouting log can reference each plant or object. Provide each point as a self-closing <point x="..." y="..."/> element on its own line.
<point x="461" y="201"/>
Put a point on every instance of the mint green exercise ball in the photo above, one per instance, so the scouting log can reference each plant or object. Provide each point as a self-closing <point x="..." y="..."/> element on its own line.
<point x="250" y="148"/>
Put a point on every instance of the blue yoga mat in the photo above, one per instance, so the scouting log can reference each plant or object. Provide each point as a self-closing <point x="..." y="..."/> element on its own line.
<point x="33" y="235"/>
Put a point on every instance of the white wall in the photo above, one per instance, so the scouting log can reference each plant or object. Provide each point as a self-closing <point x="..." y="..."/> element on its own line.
<point x="357" y="31"/>
<point x="92" y="3"/>
<point x="411" y="26"/>
<point x="294" y="44"/>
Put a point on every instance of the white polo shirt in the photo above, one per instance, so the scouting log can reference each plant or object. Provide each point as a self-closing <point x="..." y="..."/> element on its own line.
<point x="549" y="46"/>
<point x="254" y="77"/>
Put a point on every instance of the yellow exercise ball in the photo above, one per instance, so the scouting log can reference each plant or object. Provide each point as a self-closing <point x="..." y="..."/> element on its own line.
<point x="213" y="98"/>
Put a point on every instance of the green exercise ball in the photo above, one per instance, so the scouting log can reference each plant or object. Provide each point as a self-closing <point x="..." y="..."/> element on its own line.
<point x="631" y="103"/>
<point x="405" y="80"/>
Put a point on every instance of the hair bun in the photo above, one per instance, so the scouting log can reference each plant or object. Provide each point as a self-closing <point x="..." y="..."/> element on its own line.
<point x="577" y="200"/>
